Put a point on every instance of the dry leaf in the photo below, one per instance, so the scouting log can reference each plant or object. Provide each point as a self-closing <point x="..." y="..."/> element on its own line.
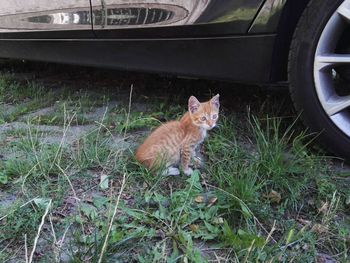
<point x="194" y="228"/>
<point x="10" y="138"/>
<point x="319" y="229"/>
<point x="304" y="222"/>
<point x="199" y="199"/>
<point x="274" y="197"/>
<point x="218" y="221"/>
<point x="324" y="207"/>
<point x="212" y="201"/>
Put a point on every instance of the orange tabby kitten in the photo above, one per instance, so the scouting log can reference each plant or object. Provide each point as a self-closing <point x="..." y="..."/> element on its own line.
<point x="174" y="142"/>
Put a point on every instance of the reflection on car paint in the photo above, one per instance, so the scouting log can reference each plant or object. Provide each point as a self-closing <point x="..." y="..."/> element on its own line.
<point x="36" y="15"/>
<point x="148" y="13"/>
<point x="123" y="14"/>
<point x="139" y="16"/>
<point x="268" y="17"/>
<point x="114" y="17"/>
<point x="68" y="18"/>
<point x="65" y="19"/>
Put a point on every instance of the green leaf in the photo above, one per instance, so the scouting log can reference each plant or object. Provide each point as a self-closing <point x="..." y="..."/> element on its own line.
<point x="116" y="236"/>
<point x="211" y="228"/>
<point x="99" y="201"/>
<point x="245" y="211"/>
<point x="89" y="211"/>
<point x="241" y="240"/>
<point x="3" y="178"/>
<point x="104" y="182"/>
<point x="41" y="202"/>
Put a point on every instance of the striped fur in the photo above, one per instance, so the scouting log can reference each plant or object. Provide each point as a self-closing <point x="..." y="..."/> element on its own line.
<point x="174" y="143"/>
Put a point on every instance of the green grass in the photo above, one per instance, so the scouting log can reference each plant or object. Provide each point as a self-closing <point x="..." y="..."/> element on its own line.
<point x="263" y="195"/>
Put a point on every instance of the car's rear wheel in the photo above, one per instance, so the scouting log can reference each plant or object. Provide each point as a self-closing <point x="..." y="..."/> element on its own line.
<point x="319" y="72"/>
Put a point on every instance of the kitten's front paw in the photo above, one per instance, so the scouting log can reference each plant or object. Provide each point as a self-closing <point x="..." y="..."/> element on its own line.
<point x="188" y="171"/>
<point x="171" y="171"/>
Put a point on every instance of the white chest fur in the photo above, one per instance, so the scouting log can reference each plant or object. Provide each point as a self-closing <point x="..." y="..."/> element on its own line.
<point x="203" y="133"/>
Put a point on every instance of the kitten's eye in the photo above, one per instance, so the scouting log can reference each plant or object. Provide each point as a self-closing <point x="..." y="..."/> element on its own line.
<point x="214" y="117"/>
<point x="203" y="118"/>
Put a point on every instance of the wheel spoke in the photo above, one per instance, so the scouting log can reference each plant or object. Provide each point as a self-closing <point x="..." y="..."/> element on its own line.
<point x="323" y="61"/>
<point x="344" y="10"/>
<point x="336" y="104"/>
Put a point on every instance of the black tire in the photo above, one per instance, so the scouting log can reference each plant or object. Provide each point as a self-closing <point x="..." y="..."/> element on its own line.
<point x="301" y="78"/>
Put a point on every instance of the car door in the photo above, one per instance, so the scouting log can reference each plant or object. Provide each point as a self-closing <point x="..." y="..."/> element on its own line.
<point x="45" y="19"/>
<point x="172" y="18"/>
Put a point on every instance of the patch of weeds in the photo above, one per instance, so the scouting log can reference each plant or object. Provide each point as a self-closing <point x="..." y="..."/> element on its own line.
<point x="262" y="196"/>
<point x="273" y="178"/>
<point x="59" y="119"/>
<point x="172" y="222"/>
<point x="82" y="102"/>
<point x="24" y="98"/>
<point x="14" y="168"/>
<point x="167" y="111"/>
<point x="93" y="151"/>
<point x="283" y="162"/>
<point x="229" y="166"/>
<point x="86" y="102"/>
<point x="120" y="120"/>
<point x="19" y="221"/>
<point x="14" y="92"/>
<point x="325" y="187"/>
<point x="20" y="132"/>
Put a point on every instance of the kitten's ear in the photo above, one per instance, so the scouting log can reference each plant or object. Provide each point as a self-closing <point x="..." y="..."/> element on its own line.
<point x="215" y="101"/>
<point x="193" y="104"/>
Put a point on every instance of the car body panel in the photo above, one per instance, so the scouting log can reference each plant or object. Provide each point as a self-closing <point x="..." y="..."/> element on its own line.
<point x="173" y="18"/>
<point x="44" y="16"/>
<point x="205" y="38"/>
<point x="268" y="17"/>
<point x="174" y="56"/>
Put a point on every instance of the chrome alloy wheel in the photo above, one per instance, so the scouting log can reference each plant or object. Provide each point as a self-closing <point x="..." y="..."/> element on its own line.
<point x="332" y="64"/>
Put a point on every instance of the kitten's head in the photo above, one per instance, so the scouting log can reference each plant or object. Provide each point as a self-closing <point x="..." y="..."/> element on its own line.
<point x="206" y="114"/>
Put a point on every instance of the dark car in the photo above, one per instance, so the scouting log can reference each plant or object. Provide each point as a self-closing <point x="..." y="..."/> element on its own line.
<point x="305" y="43"/>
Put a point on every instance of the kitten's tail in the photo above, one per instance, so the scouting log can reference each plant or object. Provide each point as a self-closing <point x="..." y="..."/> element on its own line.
<point x="142" y="159"/>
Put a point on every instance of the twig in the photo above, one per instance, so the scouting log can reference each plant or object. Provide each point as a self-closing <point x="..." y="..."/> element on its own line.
<point x="270" y="234"/>
<point x="249" y="251"/>
<point x="104" y="247"/>
<point x="129" y="109"/>
<point x="65" y="130"/>
<point x="69" y="181"/>
<point x="26" y="176"/>
<point x="61" y="241"/>
<point x="26" y="247"/>
<point x="54" y="239"/>
<point x="39" y="230"/>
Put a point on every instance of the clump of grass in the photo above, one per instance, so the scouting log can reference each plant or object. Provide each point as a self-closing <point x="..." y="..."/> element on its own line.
<point x="24" y="97"/>
<point x="59" y="119"/>
<point x="283" y="160"/>
<point x="274" y="175"/>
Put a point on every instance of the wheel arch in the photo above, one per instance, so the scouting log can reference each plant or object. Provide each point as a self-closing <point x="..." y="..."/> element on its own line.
<point x="290" y="16"/>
